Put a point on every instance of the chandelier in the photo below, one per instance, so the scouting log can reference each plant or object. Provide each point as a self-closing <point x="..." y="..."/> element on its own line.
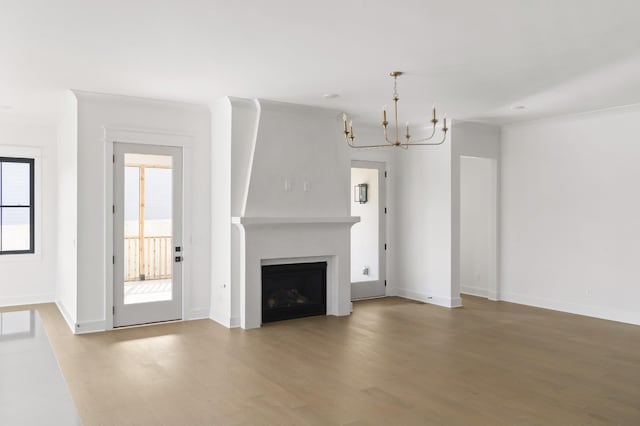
<point x="408" y="141"/>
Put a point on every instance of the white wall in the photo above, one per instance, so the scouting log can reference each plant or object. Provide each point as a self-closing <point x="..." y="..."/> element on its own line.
<point x="97" y="112"/>
<point x="476" y="217"/>
<point x="364" y="235"/>
<point x="221" y="131"/>
<point x="301" y="145"/>
<point x="571" y="214"/>
<point x="31" y="278"/>
<point x="422" y="216"/>
<point x="67" y="224"/>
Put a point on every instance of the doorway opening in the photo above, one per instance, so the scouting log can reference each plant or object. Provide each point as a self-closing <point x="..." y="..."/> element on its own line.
<point x="368" y="277"/>
<point x="478" y="226"/>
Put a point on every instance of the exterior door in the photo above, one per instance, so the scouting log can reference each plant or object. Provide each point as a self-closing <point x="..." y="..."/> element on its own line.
<point x="147" y="228"/>
<point x="368" y="245"/>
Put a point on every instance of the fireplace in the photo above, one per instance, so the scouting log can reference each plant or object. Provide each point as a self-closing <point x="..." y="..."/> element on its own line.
<point x="294" y="291"/>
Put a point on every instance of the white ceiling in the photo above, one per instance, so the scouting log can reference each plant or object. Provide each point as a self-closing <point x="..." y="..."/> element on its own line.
<point x="474" y="59"/>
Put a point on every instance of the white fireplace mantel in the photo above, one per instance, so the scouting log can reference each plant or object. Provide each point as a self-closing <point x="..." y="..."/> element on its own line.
<point x="244" y="220"/>
<point x="277" y="240"/>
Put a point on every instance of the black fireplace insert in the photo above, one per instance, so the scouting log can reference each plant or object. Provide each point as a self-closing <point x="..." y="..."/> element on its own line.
<point x="294" y="290"/>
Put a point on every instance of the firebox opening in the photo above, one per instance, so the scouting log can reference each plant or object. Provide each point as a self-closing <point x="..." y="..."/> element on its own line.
<point x="294" y="291"/>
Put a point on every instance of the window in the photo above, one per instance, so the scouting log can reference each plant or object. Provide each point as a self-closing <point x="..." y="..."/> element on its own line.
<point x="17" y="205"/>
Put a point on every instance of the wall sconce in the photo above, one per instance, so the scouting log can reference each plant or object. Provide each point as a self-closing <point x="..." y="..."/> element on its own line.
<point x="360" y="193"/>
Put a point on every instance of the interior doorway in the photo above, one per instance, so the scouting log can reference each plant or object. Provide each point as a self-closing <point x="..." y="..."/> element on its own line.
<point x="478" y="226"/>
<point x="147" y="234"/>
<point x="368" y="200"/>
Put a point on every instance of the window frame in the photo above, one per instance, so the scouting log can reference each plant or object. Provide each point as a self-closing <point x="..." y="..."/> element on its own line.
<point x="31" y="206"/>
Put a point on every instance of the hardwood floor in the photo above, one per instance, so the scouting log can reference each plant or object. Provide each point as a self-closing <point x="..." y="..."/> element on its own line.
<point x="393" y="362"/>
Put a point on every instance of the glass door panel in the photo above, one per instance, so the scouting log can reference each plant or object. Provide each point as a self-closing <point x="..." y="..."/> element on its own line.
<point x="147" y="234"/>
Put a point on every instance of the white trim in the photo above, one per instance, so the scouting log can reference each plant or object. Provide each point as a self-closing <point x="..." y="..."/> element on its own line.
<point x="234" y="322"/>
<point x="90" y="327"/>
<point x="198" y="313"/>
<point x="564" y="116"/>
<point x="66" y="316"/>
<point x="269" y="105"/>
<point x="146" y="136"/>
<point x="356" y="286"/>
<point x="142" y="136"/>
<point x="433" y="300"/>
<point x="27" y="299"/>
<point x="222" y="321"/>
<point x="244" y="220"/>
<point x="474" y="291"/>
<point x="573" y="308"/>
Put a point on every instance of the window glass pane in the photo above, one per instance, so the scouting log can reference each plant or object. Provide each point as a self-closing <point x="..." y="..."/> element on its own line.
<point x="131" y="201"/>
<point x="16" y="233"/>
<point x="16" y="184"/>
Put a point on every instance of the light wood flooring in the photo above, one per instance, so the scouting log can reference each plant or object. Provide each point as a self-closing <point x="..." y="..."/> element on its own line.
<point x="393" y="362"/>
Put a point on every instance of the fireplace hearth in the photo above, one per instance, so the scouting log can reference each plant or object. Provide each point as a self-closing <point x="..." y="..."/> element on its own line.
<point x="293" y="291"/>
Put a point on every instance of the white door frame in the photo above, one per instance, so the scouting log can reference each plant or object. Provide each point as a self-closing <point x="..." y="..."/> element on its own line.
<point x="382" y="222"/>
<point x="114" y="134"/>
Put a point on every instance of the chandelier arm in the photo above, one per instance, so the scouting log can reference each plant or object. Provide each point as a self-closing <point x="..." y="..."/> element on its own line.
<point x="444" y="138"/>
<point x="370" y="146"/>
<point x="416" y="141"/>
<point x="386" y="139"/>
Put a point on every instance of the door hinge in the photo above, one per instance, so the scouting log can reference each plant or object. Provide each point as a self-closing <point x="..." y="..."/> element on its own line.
<point x="114" y="208"/>
<point x="385" y="173"/>
<point x="385" y="210"/>
<point x="113" y="310"/>
<point x="113" y="260"/>
<point x="385" y="246"/>
<point x="385" y="283"/>
<point x="114" y="158"/>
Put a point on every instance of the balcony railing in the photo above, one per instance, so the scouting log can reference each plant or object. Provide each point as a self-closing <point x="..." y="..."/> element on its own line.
<point x="152" y="261"/>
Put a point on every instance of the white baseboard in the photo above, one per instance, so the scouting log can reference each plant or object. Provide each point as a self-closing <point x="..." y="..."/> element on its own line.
<point x="200" y="313"/>
<point x="90" y="326"/>
<point x="233" y="322"/>
<point x="71" y="322"/>
<point x="474" y="291"/>
<point x="434" y="300"/>
<point x="31" y="299"/>
<point x="573" y="308"/>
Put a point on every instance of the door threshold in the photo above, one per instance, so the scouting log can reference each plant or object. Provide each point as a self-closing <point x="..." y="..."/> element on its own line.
<point x="146" y="324"/>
